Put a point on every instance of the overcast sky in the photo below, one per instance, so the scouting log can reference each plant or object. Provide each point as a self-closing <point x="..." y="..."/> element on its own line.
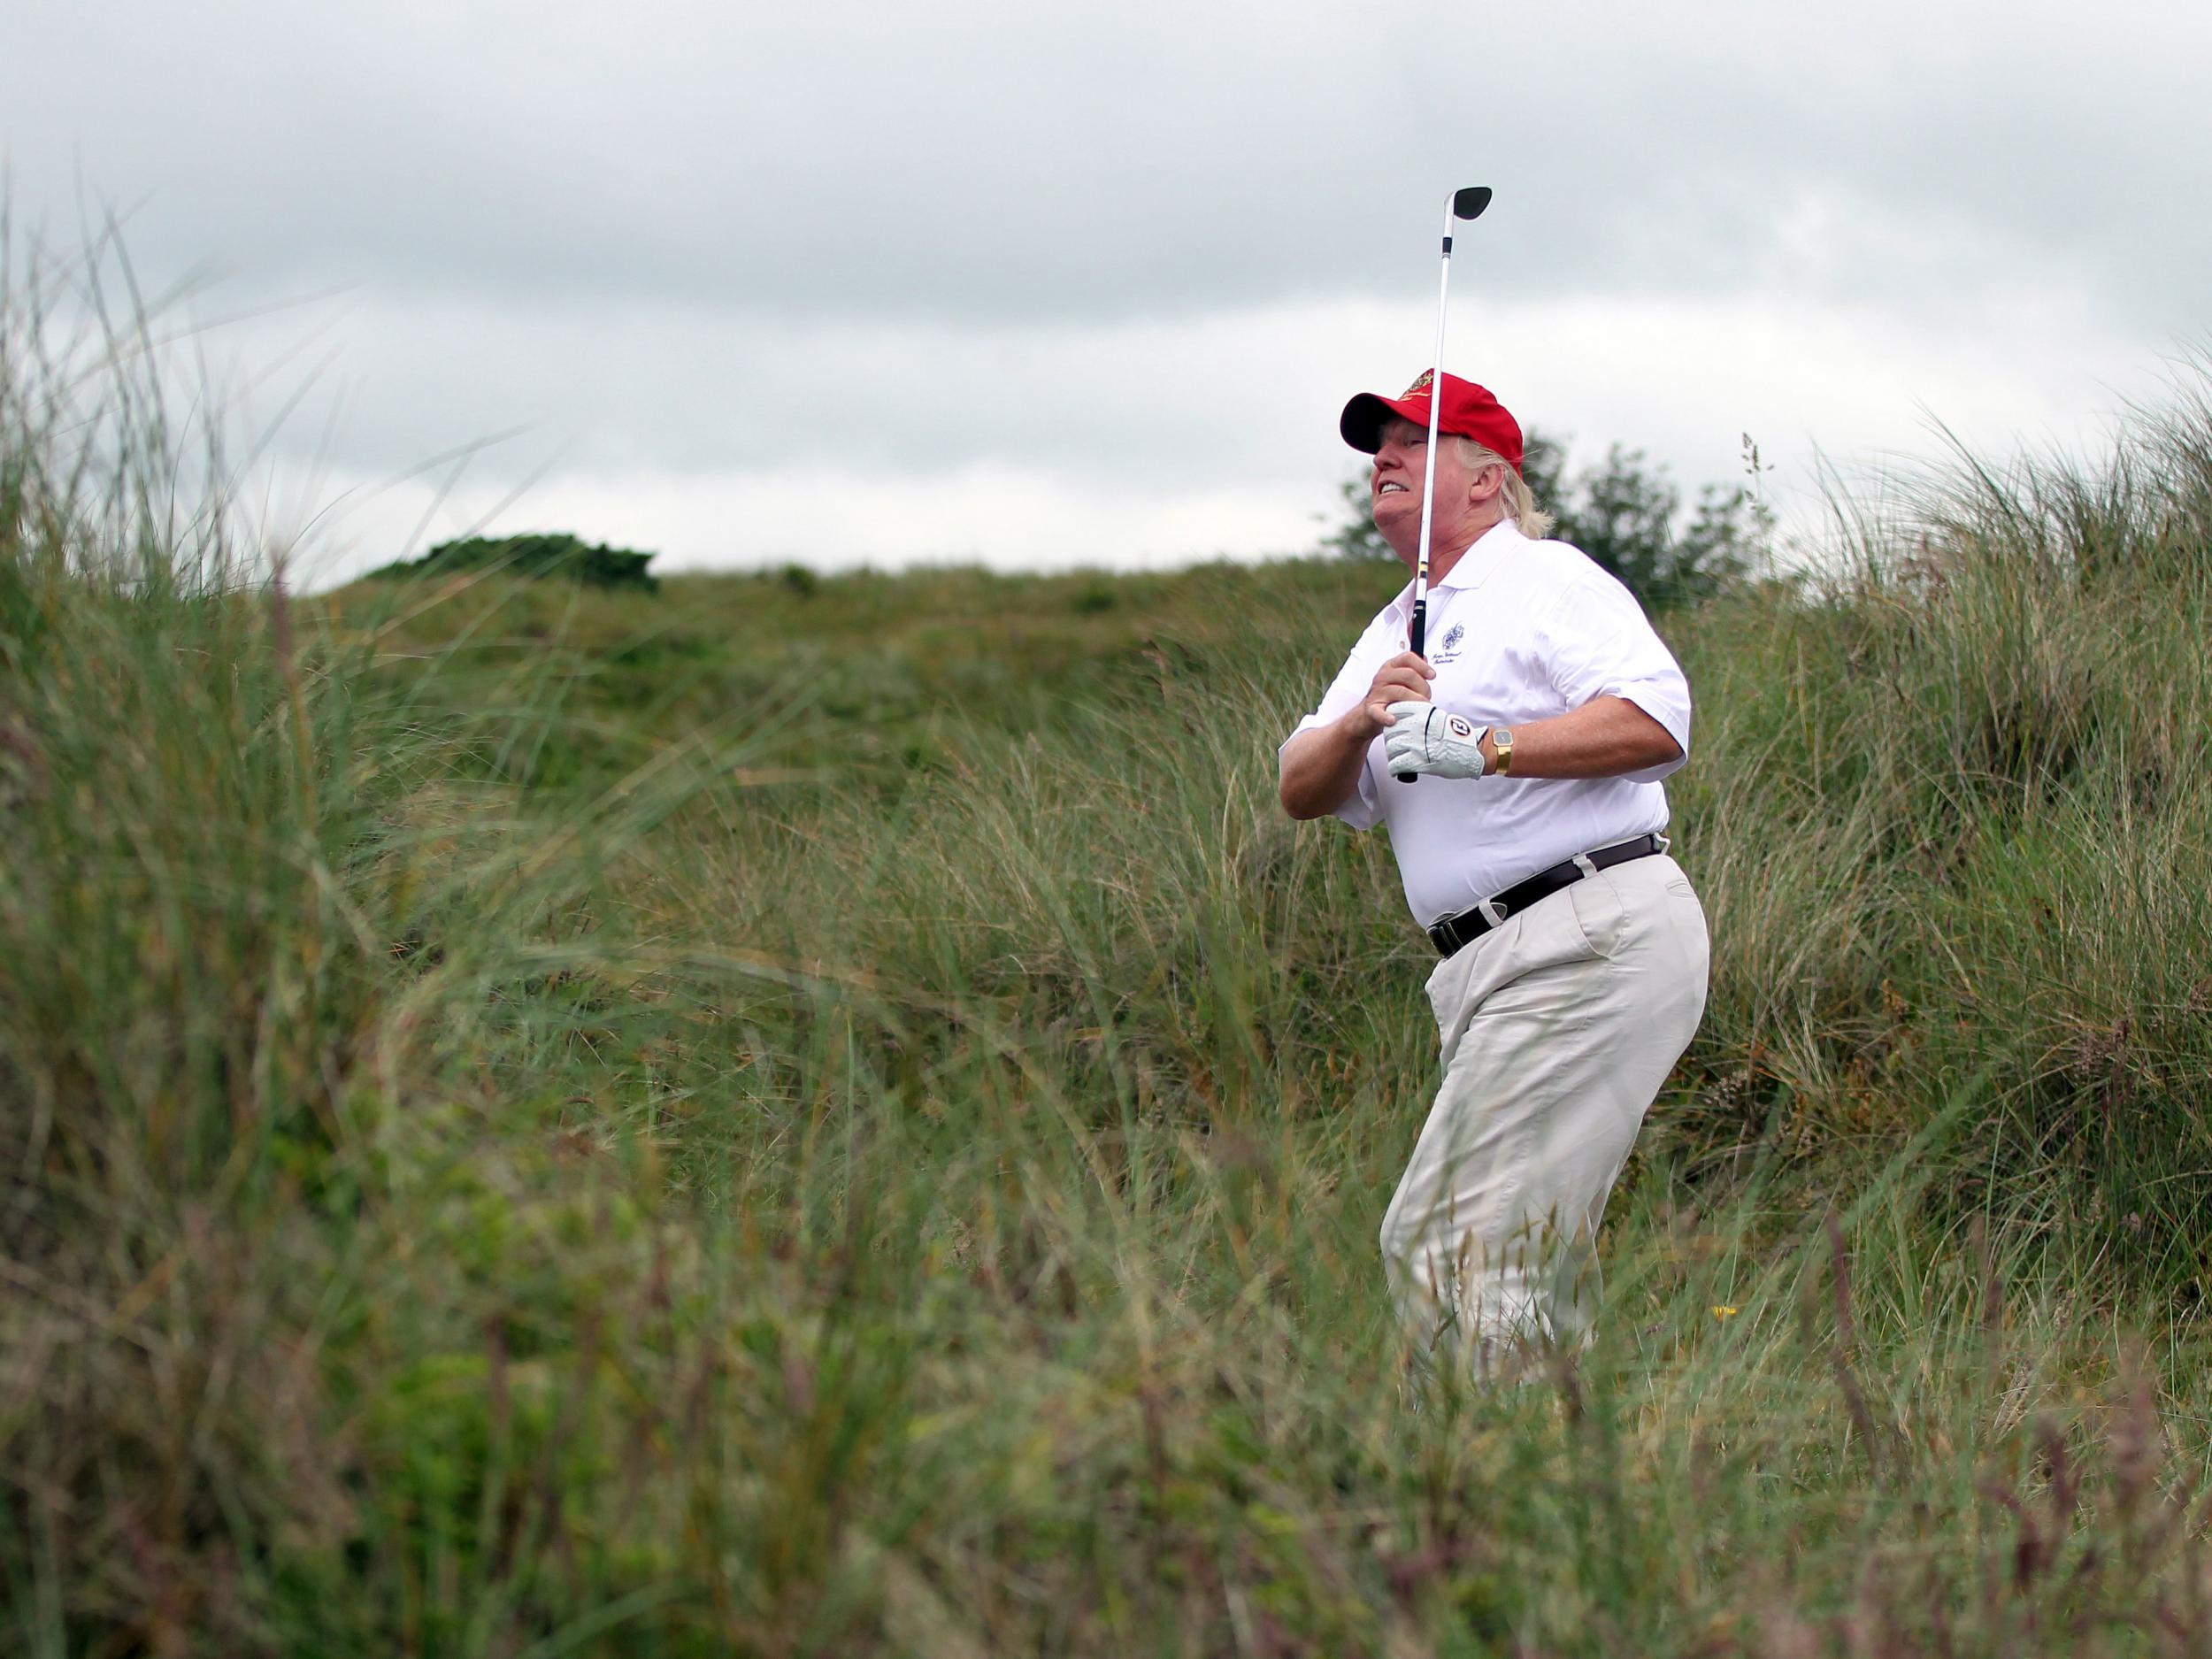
<point x="1049" y="285"/>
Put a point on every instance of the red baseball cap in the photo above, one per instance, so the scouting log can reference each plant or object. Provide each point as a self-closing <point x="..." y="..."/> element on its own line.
<point x="1469" y="412"/>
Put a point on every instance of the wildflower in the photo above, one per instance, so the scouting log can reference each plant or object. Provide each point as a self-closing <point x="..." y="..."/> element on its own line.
<point x="1724" y="1313"/>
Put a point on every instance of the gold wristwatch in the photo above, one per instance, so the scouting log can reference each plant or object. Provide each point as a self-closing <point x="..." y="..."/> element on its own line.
<point x="1502" y="740"/>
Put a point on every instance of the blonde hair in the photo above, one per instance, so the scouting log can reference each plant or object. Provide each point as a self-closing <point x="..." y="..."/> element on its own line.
<point x="1517" y="499"/>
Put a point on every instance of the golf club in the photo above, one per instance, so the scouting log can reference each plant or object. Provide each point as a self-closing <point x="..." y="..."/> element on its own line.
<point x="1466" y="203"/>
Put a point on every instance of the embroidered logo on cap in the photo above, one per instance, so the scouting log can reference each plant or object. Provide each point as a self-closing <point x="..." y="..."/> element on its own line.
<point x="1427" y="380"/>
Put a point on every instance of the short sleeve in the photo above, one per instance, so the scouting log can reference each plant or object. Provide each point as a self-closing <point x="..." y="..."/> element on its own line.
<point x="1363" y="808"/>
<point x="1598" y="643"/>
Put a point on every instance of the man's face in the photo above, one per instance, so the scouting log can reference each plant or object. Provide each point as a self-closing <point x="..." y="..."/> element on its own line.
<point x="1394" y="482"/>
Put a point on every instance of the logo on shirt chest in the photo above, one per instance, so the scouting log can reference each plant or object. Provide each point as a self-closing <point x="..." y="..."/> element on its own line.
<point x="1448" y="646"/>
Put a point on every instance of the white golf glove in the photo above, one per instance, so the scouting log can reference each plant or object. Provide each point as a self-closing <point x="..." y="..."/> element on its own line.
<point x="1428" y="740"/>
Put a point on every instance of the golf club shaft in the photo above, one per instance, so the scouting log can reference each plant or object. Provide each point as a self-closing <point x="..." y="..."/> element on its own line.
<point x="1428" y="458"/>
<point x="1416" y="636"/>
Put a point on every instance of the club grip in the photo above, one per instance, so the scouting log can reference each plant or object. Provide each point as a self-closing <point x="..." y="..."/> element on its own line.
<point x="1415" y="640"/>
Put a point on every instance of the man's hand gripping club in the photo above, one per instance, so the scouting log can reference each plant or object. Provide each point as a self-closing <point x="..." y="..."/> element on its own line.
<point x="1321" y="766"/>
<point x="1418" y="736"/>
<point x="1402" y="681"/>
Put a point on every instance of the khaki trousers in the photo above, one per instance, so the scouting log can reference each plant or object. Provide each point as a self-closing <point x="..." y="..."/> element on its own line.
<point x="1558" y="1028"/>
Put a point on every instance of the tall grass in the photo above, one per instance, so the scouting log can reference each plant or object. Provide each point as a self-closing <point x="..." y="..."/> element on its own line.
<point x="539" y="1125"/>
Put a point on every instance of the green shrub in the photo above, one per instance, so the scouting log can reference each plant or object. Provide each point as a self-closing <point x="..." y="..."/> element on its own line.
<point x="530" y="556"/>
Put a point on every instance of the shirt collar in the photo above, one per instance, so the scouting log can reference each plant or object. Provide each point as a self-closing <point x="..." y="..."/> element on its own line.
<point x="1471" y="569"/>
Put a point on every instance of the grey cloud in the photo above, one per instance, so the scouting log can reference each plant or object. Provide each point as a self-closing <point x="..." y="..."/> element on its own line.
<point x="686" y="390"/>
<point x="1020" y="163"/>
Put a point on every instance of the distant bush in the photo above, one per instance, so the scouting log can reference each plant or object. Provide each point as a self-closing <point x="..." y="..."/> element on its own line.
<point x="1093" y="597"/>
<point x="1627" y="515"/>
<point x="533" y="556"/>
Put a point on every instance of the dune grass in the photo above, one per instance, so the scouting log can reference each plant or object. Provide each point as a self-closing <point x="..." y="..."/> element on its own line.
<point x="800" y="1116"/>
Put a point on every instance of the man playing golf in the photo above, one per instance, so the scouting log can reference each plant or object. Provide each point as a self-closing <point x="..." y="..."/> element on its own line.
<point x="1518" y="764"/>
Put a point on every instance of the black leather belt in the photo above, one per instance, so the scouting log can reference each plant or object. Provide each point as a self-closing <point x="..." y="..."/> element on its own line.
<point x="1454" y="933"/>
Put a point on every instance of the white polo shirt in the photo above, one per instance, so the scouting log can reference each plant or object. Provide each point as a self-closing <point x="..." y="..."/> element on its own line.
<point x="1517" y="631"/>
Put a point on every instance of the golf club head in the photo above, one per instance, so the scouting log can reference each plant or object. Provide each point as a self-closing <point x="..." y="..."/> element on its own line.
<point x="1469" y="202"/>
